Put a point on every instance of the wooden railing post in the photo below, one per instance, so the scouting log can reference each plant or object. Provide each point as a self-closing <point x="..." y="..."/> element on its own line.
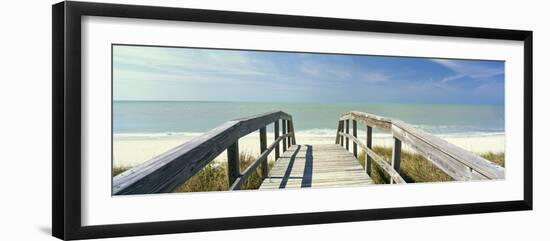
<point x="293" y="134"/>
<point x="396" y="156"/>
<point x="289" y="138"/>
<point x="263" y="147"/>
<point x="169" y="170"/>
<point x="354" y="132"/>
<point x="342" y="130"/>
<point x="347" y="132"/>
<point x="233" y="167"/>
<point x="338" y="129"/>
<point x="276" y="131"/>
<point x="368" y="159"/>
<point x="284" y="132"/>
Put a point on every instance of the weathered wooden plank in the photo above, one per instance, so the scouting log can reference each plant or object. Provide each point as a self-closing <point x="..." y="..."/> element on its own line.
<point x="289" y="130"/>
<point x="280" y="183"/>
<point x="444" y="152"/>
<point x="379" y="160"/>
<point x="396" y="156"/>
<point x="316" y="166"/>
<point x="338" y="129"/>
<point x="326" y="157"/>
<point x="327" y="173"/>
<point x="276" y="131"/>
<point x="321" y="167"/>
<point x="293" y="184"/>
<point x="347" y="132"/>
<point x="263" y="147"/>
<point x="455" y="169"/>
<point x="368" y="161"/>
<point x="334" y="181"/>
<point x="330" y="159"/>
<point x="325" y="176"/>
<point x="279" y="114"/>
<point x="457" y="162"/>
<point x="292" y="140"/>
<point x="331" y="169"/>
<point x="354" y="132"/>
<point x="284" y="133"/>
<point x="322" y="178"/>
<point x="341" y="137"/>
<point x="252" y="167"/>
<point x="379" y="122"/>
<point x="331" y="177"/>
<point x="169" y="170"/>
<point x="233" y="166"/>
<point x="298" y="171"/>
<point x="325" y="165"/>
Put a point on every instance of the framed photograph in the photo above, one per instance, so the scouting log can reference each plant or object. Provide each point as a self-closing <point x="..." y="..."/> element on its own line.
<point x="169" y="120"/>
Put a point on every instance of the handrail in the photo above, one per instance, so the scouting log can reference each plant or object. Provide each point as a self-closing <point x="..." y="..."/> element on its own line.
<point x="167" y="171"/>
<point x="378" y="159"/>
<point x="236" y="185"/>
<point x="453" y="160"/>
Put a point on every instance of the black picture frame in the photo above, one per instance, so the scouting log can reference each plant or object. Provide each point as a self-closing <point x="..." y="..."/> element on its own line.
<point x="66" y="159"/>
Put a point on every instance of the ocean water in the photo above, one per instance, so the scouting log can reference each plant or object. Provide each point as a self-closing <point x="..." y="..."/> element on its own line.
<point x="166" y="117"/>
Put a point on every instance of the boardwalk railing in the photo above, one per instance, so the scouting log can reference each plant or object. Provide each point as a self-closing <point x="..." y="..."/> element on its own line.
<point x="167" y="171"/>
<point x="453" y="160"/>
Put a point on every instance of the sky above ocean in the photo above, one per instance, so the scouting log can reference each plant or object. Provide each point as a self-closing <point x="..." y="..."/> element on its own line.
<point x="190" y="74"/>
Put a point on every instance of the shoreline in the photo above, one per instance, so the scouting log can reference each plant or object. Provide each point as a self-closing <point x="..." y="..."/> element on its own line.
<point x="131" y="149"/>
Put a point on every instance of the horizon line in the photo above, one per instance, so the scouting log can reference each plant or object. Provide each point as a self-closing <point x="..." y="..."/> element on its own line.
<point x="312" y="102"/>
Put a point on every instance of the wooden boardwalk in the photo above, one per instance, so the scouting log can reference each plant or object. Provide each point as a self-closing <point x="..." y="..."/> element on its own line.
<point x="302" y="166"/>
<point x="327" y="165"/>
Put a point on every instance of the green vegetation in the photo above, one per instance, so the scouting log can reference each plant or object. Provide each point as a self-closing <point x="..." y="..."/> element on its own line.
<point x="416" y="168"/>
<point x="214" y="177"/>
<point x="118" y="170"/>
<point x="497" y="158"/>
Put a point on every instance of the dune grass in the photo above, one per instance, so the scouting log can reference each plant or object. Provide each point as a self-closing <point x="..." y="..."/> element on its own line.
<point x="497" y="158"/>
<point x="118" y="170"/>
<point x="214" y="177"/>
<point x="414" y="167"/>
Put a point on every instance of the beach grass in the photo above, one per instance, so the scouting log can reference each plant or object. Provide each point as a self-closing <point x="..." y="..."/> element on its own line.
<point x="414" y="167"/>
<point x="496" y="157"/>
<point x="214" y="176"/>
<point x="117" y="170"/>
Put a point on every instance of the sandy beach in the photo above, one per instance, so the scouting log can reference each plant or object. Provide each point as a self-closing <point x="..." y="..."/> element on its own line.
<point x="132" y="149"/>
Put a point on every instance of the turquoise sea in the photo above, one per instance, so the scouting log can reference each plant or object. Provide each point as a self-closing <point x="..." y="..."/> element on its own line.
<point x="157" y="117"/>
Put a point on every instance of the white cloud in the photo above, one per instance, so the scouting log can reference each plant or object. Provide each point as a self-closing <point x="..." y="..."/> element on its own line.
<point x="310" y="69"/>
<point x="465" y="69"/>
<point x="323" y="70"/>
<point x="468" y="69"/>
<point x="451" y="78"/>
<point x="343" y="73"/>
<point x="162" y="71"/>
<point x="178" y="61"/>
<point x="375" y="77"/>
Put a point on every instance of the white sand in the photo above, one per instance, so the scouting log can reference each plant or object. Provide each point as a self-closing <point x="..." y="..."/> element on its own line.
<point x="131" y="150"/>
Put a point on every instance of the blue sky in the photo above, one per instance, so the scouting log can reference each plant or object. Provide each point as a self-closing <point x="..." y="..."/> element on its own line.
<point x="161" y="73"/>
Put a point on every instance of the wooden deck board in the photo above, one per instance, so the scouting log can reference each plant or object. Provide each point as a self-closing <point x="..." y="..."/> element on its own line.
<point x="304" y="166"/>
